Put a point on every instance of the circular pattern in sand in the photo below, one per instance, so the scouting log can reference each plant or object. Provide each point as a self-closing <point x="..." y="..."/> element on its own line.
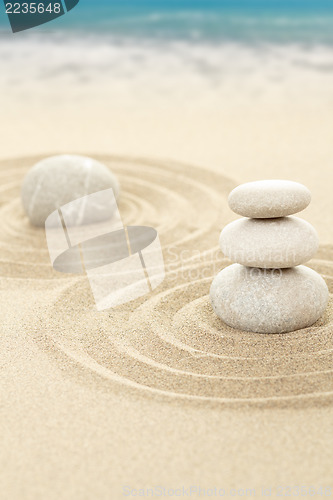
<point x="170" y="342"/>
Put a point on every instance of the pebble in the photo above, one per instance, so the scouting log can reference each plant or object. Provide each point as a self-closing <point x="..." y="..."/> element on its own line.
<point x="268" y="301"/>
<point x="57" y="180"/>
<point x="270" y="198"/>
<point x="269" y="243"/>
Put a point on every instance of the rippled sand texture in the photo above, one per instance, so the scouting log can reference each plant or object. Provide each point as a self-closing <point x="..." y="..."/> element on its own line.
<point x="168" y="343"/>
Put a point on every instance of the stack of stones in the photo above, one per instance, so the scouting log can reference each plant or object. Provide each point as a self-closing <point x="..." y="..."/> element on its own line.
<point x="267" y="290"/>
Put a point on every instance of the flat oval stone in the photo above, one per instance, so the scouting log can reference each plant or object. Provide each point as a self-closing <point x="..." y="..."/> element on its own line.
<point x="268" y="301"/>
<point x="269" y="243"/>
<point x="57" y="180"/>
<point x="267" y="199"/>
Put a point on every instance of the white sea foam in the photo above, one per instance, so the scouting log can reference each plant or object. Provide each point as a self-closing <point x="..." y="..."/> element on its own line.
<point x="72" y="60"/>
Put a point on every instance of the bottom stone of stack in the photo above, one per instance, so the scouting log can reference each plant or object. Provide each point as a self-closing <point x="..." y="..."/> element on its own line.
<point x="269" y="300"/>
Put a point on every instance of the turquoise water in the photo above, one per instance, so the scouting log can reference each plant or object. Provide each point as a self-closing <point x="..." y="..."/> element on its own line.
<point x="246" y="21"/>
<point x="234" y="25"/>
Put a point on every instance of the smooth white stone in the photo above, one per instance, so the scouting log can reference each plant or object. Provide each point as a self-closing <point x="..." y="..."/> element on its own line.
<point x="269" y="301"/>
<point x="267" y="199"/>
<point x="269" y="243"/>
<point x="57" y="180"/>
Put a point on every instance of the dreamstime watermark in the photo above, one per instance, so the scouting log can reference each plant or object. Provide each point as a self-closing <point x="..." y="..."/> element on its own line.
<point x="27" y="14"/>
<point x="220" y="492"/>
<point x="122" y="263"/>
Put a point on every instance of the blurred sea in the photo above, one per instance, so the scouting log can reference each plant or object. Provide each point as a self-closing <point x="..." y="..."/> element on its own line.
<point x="156" y="42"/>
<point x="244" y="21"/>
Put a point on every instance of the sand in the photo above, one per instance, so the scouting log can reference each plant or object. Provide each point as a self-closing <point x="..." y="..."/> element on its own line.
<point x="157" y="392"/>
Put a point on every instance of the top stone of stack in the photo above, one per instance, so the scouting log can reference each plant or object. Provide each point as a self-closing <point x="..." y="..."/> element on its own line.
<point x="269" y="199"/>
